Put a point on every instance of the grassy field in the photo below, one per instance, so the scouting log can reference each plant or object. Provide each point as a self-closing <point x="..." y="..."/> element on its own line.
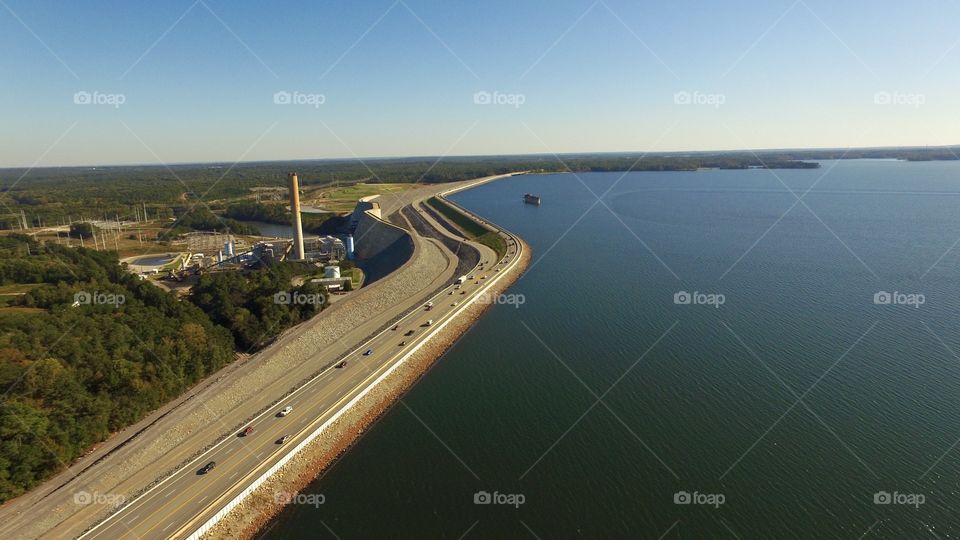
<point x="344" y="199"/>
<point x="473" y="229"/>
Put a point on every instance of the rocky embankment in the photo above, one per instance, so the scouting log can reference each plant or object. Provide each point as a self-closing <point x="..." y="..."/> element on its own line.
<point x="267" y="501"/>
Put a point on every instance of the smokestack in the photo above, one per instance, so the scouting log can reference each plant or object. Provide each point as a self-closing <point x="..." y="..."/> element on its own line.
<point x="295" y="211"/>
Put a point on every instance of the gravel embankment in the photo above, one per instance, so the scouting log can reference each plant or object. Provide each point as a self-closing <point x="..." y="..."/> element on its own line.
<point x="247" y="519"/>
<point x="197" y="423"/>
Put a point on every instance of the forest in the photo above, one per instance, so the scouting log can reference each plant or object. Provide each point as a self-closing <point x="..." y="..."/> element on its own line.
<point x="89" y="348"/>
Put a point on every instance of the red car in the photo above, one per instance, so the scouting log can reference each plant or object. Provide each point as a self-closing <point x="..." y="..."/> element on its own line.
<point x="247" y="431"/>
<point x="342" y="364"/>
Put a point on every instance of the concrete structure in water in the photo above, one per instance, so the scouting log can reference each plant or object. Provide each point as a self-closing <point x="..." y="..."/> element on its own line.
<point x="295" y="214"/>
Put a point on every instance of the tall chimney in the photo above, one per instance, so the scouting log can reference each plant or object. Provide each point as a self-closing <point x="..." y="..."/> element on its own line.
<point x="295" y="211"/>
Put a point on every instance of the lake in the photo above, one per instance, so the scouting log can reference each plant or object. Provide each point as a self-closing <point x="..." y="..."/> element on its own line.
<point x="713" y="354"/>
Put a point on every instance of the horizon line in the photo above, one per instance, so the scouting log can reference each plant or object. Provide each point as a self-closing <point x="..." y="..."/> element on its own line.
<point x="676" y="153"/>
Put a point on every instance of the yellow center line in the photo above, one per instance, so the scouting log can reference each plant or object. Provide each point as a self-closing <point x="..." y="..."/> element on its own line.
<point x="362" y="385"/>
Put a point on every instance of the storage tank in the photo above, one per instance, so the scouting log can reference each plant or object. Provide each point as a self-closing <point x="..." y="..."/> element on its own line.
<point x="228" y="248"/>
<point x="331" y="272"/>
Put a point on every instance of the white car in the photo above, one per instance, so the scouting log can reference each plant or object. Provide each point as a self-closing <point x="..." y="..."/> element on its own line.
<point x="286" y="410"/>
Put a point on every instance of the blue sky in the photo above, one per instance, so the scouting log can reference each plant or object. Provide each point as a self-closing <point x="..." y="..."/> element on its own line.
<point x="197" y="79"/>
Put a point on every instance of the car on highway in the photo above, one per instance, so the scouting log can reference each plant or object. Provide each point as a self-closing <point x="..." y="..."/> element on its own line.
<point x="368" y="352"/>
<point x="451" y="292"/>
<point x="409" y="332"/>
<point x="342" y="364"/>
<point x="285" y="411"/>
<point x="207" y="468"/>
<point x="464" y="292"/>
<point x="429" y="306"/>
<point x="428" y="323"/>
<point x="402" y="343"/>
<point x="395" y="327"/>
<point x="247" y="431"/>
<point x="283" y="439"/>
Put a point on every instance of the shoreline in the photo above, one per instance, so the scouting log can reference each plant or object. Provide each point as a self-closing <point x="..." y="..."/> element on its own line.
<point x="255" y="513"/>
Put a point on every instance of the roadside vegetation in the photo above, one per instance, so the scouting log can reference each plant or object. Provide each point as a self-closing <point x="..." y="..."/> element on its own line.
<point x="471" y="228"/>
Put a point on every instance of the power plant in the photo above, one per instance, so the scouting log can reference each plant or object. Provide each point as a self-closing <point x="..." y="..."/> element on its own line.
<point x="295" y="213"/>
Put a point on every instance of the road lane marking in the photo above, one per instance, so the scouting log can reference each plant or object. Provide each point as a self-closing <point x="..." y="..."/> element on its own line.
<point x="337" y="408"/>
<point x="361" y="387"/>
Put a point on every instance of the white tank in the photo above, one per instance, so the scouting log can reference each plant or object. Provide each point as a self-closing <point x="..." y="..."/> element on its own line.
<point x="331" y="272"/>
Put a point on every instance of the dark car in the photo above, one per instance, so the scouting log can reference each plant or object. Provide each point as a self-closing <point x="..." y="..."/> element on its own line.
<point x="247" y="431"/>
<point x="207" y="468"/>
<point x="368" y="353"/>
<point x="409" y="333"/>
<point x="342" y="364"/>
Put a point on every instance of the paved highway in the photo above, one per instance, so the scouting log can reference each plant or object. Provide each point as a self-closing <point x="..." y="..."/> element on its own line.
<point x="186" y="499"/>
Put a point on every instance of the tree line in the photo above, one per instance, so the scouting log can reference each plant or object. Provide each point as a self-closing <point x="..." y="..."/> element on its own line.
<point x="92" y="348"/>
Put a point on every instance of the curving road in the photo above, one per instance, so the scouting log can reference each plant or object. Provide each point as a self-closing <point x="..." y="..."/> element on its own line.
<point x="183" y="501"/>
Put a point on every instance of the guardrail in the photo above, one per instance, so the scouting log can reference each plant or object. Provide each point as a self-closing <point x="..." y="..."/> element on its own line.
<point x="257" y="482"/>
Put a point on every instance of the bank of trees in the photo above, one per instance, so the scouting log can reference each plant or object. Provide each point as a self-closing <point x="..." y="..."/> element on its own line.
<point x="75" y="371"/>
<point x="258" y="305"/>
